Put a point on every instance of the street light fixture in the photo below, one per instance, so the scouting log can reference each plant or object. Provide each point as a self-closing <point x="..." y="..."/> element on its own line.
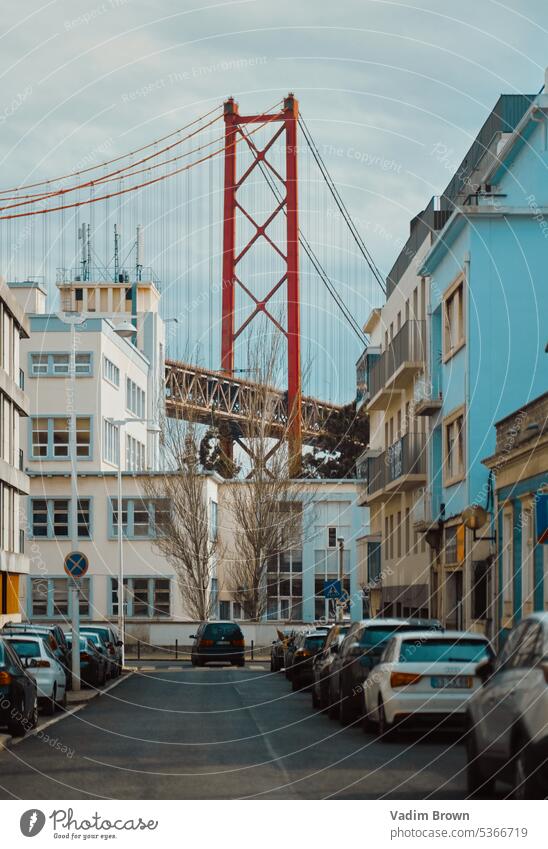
<point x="120" y="424"/>
<point x="72" y="319"/>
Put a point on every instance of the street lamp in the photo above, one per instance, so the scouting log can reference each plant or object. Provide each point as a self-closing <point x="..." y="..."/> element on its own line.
<point x="72" y="319"/>
<point x="340" y="540"/>
<point x="120" y="424"/>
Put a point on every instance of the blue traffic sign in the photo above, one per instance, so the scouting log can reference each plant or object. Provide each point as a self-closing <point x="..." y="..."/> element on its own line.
<point x="332" y="589"/>
<point x="76" y="564"/>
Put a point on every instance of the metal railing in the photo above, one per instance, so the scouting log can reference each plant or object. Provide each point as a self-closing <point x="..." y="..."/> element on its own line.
<point x="21" y="379"/>
<point x="406" y="456"/>
<point x="408" y="345"/>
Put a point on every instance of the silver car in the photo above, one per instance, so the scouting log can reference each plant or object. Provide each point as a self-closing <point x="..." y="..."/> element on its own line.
<point x="42" y="665"/>
<point x="507" y="718"/>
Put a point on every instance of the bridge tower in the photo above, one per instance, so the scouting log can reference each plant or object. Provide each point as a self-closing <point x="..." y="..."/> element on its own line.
<point x="284" y="128"/>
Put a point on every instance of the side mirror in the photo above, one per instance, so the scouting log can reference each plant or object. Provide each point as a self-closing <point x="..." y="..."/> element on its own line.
<point x="192" y="637"/>
<point x="119" y="643"/>
<point x="274" y="642"/>
<point x="485" y="669"/>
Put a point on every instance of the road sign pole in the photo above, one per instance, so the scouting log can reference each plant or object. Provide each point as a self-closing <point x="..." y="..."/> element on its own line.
<point x="74" y="582"/>
<point x="339" y="613"/>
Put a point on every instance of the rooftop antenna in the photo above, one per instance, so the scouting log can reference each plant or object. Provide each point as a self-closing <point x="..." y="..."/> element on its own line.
<point x="139" y="252"/>
<point x="88" y="269"/>
<point x="116" y="254"/>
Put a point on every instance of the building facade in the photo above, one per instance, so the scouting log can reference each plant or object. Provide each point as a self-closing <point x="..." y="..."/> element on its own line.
<point x="488" y="327"/>
<point x="14" y="483"/>
<point x="519" y="466"/>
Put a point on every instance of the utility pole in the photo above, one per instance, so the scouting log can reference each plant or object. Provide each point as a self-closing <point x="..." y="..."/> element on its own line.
<point x="339" y="616"/>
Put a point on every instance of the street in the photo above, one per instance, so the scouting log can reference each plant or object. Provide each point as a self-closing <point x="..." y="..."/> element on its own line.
<point x="222" y="733"/>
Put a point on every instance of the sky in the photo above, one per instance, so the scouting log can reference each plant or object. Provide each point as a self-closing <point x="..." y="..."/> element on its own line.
<point x="382" y="86"/>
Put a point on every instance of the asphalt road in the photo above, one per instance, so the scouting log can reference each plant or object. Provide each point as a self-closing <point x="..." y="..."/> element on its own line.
<point x="222" y="733"/>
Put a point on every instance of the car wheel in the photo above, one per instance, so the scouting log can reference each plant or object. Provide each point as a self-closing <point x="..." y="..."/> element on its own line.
<point x="272" y="666"/>
<point x="385" y="729"/>
<point x="63" y="703"/>
<point x="524" y="784"/>
<point x="34" y="713"/>
<point x="347" y="713"/>
<point x="333" y="705"/>
<point x="17" y="726"/>
<point x="50" y="704"/>
<point x="477" y="785"/>
<point x="295" y="683"/>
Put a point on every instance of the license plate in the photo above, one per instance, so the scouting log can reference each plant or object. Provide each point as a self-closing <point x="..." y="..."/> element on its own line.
<point x="223" y="643"/>
<point x="459" y="682"/>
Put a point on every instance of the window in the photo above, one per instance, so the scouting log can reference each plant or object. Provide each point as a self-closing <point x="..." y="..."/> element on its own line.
<point x="454" y="448"/>
<point x="50" y="597"/>
<point x="453" y="319"/>
<point x="57" y="364"/>
<point x="135" y="399"/>
<point x="50" y="438"/>
<point x="140" y="519"/>
<point x="111" y="372"/>
<point x="224" y="610"/>
<point x="143" y="597"/>
<point x="332" y="537"/>
<point x="50" y="517"/>
<point x="135" y="454"/>
<point x="111" y="451"/>
<point x="285" y="585"/>
<point x="507" y="558"/>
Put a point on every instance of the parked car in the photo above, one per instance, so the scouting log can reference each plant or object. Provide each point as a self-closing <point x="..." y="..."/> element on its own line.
<point x="18" y="693"/>
<point x="218" y="641"/>
<point x="321" y="667"/>
<point x="93" y="662"/>
<point x="42" y="665"/>
<point x="301" y="669"/>
<point x="360" y="652"/>
<point x="424" y="678"/>
<point x="113" y="644"/>
<point x="507" y="717"/>
<point x="295" y="642"/>
<point x="56" y="637"/>
<point x="277" y="649"/>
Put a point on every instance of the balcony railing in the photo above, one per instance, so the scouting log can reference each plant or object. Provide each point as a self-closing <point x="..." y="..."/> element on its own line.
<point x="21" y="379"/>
<point x="21" y="460"/>
<point x="407" y="346"/>
<point x="406" y="456"/>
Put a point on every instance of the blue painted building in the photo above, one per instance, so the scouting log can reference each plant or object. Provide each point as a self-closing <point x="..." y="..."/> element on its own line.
<point x="488" y="327"/>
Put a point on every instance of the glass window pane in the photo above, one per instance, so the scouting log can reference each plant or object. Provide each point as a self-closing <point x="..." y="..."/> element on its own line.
<point x="83" y="437"/>
<point x="60" y="517"/>
<point x="84" y="517"/>
<point x="39" y="590"/>
<point x="140" y="596"/>
<point x="39" y="518"/>
<point x="141" y="523"/>
<point x="60" y="597"/>
<point x="39" y="363"/>
<point x="161" y="598"/>
<point x="39" y="437"/>
<point x="84" y="597"/>
<point x="60" y="363"/>
<point x="60" y="437"/>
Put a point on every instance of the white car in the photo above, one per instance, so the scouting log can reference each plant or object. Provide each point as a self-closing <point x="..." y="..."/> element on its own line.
<point x="42" y="665"/>
<point x="424" y="676"/>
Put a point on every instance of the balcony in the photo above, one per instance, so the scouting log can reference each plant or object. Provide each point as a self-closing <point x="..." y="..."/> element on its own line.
<point x="428" y="398"/>
<point x="363" y="370"/>
<point x="400" y="468"/>
<point x="397" y="366"/>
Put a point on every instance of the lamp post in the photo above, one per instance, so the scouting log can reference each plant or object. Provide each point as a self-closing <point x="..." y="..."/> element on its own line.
<point x="72" y="319"/>
<point x="120" y="424"/>
<point x="340" y="540"/>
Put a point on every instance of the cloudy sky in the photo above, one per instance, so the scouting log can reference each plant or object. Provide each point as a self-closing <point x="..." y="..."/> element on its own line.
<point x="381" y="84"/>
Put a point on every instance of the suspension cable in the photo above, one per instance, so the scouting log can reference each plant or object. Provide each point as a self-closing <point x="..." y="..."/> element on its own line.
<point x="341" y="204"/>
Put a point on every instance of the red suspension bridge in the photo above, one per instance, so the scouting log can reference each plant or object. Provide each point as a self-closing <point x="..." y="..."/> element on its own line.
<point x="261" y="261"/>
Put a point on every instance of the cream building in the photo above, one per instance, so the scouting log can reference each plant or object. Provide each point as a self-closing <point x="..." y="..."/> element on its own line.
<point x="14" y="483"/>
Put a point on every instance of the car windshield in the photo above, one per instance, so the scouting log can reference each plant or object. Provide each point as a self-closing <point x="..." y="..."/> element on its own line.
<point x="94" y="638"/>
<point x="444" y="651"/>
<point x="222" y="631"/>
<point x="102" y="633"/>
<point x="376" y="638"/>
<point x="315" y="643"/>
<point x="26" y="648"/>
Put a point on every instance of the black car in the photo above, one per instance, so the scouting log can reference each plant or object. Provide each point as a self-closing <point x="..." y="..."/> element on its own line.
<point x="301" y="670"/>
<point x="112" y="643"/>
<point x="93" y="661"/>
<point x="295" y="642"/>
<point x="18" y="693"/>
<point x="360" y="652"/>
<point x="321" y="668"/>
<point x="218" y="642"/>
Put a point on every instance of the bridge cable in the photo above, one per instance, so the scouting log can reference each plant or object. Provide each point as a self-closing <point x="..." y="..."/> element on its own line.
<point x="341" y="205"/>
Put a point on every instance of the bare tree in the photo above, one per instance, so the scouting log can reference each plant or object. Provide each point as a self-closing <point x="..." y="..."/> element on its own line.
<point x="267" y="506"/>
<point x="184" y="535"/>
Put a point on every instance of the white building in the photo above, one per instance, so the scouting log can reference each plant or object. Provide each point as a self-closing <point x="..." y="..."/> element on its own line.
<point x="14" y="482"/>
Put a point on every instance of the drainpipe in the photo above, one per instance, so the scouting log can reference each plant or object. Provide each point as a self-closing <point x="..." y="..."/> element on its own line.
<point x="466" y="582"/>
